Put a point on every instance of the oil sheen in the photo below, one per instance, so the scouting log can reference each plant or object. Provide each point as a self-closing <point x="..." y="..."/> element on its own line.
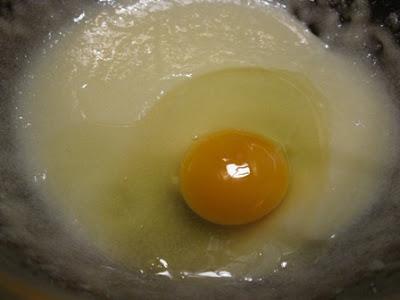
<point x="115" y="103"/>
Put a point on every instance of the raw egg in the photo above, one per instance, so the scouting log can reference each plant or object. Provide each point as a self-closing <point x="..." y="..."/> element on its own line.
<point x="143" y="109"/>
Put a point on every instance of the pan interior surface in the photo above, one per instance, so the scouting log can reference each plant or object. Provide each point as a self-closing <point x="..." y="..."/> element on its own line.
<point x="107" y="108"/>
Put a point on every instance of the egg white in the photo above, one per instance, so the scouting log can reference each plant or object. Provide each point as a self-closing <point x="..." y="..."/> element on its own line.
<point x="108" y="132"/>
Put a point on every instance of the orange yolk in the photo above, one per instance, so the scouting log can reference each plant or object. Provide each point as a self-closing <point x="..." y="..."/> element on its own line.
<point x="234" y="177"/>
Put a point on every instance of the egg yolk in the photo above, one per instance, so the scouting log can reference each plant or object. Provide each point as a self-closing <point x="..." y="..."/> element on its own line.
<point x="234" y="177"/>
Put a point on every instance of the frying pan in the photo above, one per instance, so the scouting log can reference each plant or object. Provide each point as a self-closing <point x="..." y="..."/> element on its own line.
<point x="362" y="263"/>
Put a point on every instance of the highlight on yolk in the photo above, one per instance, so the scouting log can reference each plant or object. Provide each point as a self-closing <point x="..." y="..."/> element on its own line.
<point x="233" y="177"/>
